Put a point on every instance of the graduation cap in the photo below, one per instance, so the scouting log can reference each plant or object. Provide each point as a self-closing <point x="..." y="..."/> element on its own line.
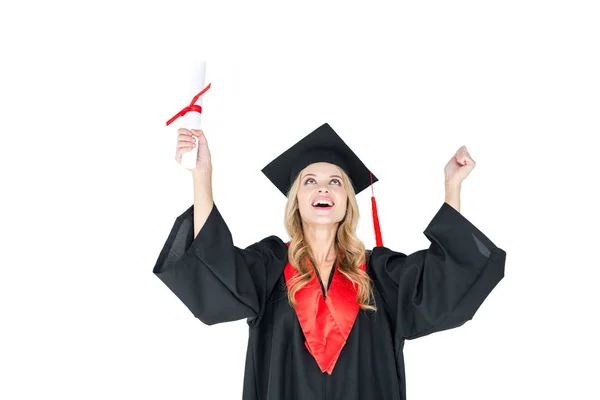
<point x="322" y="145"/>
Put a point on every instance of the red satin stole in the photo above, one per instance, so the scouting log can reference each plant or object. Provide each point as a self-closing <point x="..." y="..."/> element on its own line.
<point x="326" y="322"/>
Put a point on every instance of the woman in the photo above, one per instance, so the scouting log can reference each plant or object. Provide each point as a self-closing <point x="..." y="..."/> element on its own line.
<point x="327" y="318"/>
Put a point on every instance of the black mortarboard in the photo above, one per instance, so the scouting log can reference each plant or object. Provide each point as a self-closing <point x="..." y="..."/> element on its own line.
<point x="321" y="145"/>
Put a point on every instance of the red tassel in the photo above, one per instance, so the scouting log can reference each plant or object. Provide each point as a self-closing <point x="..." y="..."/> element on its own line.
<point x="378" y="240"/>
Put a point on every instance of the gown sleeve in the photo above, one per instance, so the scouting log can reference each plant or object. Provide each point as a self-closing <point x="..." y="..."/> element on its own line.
<point x="443" y="286"/>
<point x="217" y="281"/>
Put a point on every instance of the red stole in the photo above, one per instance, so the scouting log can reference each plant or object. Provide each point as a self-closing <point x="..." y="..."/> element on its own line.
<point x="326" y="323"/>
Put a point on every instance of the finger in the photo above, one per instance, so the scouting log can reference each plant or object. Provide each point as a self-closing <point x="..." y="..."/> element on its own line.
<point x="183" y="131"/>
<point x="180" y="152"/>
<point x="467" y="161"/>
<point x="191" y="142"/>
<point x="186" y="138"/>
<point x="463" y="157"/>
<point x="185" y="145"/>
<point x="197" y="132"/>
<point x="183" y="150"/>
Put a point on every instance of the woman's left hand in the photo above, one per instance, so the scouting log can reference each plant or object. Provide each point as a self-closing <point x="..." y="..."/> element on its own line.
<point x="459" y="166"/>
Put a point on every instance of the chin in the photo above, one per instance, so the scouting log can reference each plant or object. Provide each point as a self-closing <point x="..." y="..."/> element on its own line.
<point x="325" y="220"/>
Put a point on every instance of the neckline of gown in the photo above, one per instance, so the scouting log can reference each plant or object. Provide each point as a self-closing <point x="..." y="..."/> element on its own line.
<point x="323" y="291"/>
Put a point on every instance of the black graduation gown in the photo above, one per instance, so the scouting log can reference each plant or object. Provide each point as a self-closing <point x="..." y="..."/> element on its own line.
<point x="427" y="291"/>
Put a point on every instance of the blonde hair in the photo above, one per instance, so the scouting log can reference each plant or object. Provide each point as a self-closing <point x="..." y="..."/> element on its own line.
<point x="351" y="251"/>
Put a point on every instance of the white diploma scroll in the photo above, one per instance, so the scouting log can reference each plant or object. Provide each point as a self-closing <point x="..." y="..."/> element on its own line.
<point x="193" y="119"/>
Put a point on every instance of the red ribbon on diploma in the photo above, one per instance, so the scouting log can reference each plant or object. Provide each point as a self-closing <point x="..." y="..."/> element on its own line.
<point x="190" y="107"/>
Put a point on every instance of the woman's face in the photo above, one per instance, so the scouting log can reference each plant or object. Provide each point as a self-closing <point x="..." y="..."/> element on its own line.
<point x="322" y="181"/>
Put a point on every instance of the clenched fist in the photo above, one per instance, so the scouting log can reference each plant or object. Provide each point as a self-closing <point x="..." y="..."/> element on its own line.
<point x="186" y="140"/>
<point x="459" y="166"/>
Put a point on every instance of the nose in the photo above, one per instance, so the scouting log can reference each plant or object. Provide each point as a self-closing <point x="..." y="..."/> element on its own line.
<point x="323" y="189"/>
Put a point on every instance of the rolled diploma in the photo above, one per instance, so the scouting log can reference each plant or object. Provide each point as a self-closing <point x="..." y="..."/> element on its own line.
<point x="193" y="120"/>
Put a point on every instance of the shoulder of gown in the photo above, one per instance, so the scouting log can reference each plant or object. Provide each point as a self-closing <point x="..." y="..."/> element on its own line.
<point x="440" y="287"/>
<point x="216" y="280"/>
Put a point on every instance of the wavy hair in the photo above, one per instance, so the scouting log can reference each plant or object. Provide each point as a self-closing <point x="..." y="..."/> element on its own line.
<point x="350" y="249"/>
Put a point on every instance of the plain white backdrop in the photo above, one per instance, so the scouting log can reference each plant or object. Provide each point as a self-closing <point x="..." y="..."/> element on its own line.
<point x="90" y="187"/>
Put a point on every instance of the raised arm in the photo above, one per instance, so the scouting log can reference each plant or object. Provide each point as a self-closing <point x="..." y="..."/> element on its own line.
<point x="443" y="286"/>
<point x="216" y="280"/>
<point x="203" y="198"/>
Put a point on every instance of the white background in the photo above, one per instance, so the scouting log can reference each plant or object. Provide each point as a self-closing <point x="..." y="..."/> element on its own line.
<point x="90" y="188"/>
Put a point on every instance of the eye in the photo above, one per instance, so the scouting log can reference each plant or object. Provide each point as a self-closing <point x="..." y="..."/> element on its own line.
<point x="334" y="179"/>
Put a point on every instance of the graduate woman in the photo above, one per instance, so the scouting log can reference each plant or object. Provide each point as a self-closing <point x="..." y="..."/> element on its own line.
<point x="327" y="318"/>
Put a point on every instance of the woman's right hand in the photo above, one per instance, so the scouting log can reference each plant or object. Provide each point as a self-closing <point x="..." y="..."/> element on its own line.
<point x="186" y="140"/>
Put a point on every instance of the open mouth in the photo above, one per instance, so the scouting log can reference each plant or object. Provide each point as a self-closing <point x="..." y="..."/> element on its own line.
<point x="323" y="204"/>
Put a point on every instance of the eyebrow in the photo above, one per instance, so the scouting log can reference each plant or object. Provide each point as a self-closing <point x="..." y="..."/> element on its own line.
<point x="332" y="176"/>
